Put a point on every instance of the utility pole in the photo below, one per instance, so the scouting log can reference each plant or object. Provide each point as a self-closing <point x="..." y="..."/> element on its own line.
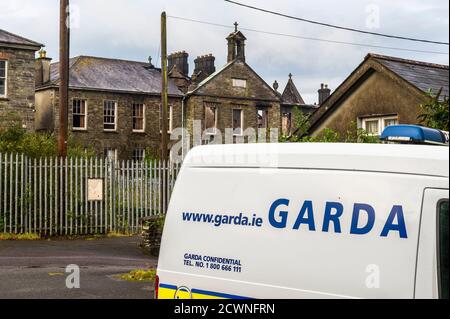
<point x="164" y="111"/>
<point x="64" y="47"/>
<point x="164" y="90"/>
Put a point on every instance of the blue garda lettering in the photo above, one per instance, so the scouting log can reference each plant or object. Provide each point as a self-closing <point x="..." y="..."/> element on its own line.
<point x="338" y="209"/>
<point x="307" y="209"/>
<point x="362" y="221"/>
<point x="357" y="209"/>
<point x="396" y="213"/>
<point x="282" y="222"/>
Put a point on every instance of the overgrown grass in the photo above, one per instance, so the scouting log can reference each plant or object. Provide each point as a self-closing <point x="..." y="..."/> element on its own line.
<point x="109" y="235"/>
<point x="27" y="236"/>
<point x="32" y="236"/>
<point x="140" y="275"/>
<point x="92" y="237"/>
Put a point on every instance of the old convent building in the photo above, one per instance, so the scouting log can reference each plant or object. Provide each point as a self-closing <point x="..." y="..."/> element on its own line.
<point x="115" y="105"/>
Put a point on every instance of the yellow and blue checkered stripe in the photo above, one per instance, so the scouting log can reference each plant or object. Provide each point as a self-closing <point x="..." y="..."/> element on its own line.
<point x="169" y="292"/>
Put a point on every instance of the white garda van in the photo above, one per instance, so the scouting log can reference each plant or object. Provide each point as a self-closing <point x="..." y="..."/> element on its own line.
<point x="275" y="221"/>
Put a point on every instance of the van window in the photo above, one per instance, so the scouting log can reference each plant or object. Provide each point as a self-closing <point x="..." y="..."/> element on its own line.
<point x="443" y="249"/>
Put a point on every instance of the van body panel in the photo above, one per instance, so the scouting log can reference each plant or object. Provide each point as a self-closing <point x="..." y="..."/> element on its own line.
<point x="287" y="262"/>
<point x="406" y="159"/>
<point x="427" y="283"/>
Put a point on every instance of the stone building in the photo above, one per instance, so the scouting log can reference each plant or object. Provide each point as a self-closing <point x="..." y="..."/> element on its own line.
<point x="291" y="99"/>
<point x="382" y="91"/>
<point x="115" y="105"/>
<point x="233" y="97"/>
<point x="17" y="103"/>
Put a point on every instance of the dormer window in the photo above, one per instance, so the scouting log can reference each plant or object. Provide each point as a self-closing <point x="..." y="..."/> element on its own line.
<point x="240" y="83"/>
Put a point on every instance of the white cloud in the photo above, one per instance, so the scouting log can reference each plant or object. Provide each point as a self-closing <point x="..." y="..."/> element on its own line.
<point x="130" y="30"/>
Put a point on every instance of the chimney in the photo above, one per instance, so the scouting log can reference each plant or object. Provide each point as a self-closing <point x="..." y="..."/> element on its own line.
<point x="180" y="60"/>
<point x="42" y="69"/>
<point x="205" y="65"/>
<point x="276" y="86"/>
<point x="324" y="93"/>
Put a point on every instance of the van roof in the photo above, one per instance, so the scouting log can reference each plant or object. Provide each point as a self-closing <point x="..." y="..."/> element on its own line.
<point x="386" y="158"/>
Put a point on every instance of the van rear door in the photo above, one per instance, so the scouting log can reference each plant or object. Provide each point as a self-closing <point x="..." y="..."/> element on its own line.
<point x="432" y="281"/>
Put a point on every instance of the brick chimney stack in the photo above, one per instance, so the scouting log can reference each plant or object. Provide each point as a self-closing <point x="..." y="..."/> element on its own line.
<point x="42" y="69"/>
<point x="180" y="60"/>
<point x="324" y="93"/>
<point x="205" y="65"/>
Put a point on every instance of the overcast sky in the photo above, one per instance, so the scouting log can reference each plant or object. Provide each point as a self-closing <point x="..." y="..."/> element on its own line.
<point x="130" y="30"/>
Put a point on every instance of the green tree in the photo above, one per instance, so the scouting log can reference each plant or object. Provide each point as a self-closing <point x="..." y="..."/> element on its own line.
<point x="300" y="124"/>
<point x="435" y="112"/>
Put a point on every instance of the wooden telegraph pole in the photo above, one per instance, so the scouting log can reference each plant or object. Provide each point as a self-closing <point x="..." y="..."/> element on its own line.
<point x="64" y="45"/>
<point x="164" y="111"/>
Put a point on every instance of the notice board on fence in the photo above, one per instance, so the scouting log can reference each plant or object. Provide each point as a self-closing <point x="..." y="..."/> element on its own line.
<point x="95" y="190"/>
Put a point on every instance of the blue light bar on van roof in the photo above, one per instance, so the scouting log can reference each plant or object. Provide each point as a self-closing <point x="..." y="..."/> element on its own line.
<point x="415" y="135"/>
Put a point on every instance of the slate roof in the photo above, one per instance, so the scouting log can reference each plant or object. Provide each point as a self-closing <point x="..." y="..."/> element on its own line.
<point x="291" y="95"/>
<point x="8" y="39"/>
<point x="424" y="76"/>
<point x="103" y="74"/>
<point x="417" y="75"/>
<point x="195" y="88"/>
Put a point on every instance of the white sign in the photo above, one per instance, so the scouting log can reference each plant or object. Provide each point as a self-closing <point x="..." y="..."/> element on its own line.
<point x="95" y="190"/>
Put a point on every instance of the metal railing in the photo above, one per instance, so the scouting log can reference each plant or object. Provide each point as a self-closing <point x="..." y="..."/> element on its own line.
<point x="49" y="196"/>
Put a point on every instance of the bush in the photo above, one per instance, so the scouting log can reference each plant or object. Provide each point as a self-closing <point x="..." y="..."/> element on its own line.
<point x="34" y="145"/>
<point x="353" y="134"/>
<point x="17" y="140"/>
<point x="435" y="112"/>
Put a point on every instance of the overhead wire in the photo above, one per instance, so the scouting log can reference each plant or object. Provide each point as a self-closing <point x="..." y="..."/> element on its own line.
<point x="329" y="25"/>
<point x="310" y="38"/>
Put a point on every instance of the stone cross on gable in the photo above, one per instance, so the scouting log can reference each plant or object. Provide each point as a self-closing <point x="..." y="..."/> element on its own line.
<point x="236" y="26"/>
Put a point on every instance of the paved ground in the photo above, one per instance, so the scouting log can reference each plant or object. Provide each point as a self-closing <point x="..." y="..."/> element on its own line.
<point x="36" y="269"/>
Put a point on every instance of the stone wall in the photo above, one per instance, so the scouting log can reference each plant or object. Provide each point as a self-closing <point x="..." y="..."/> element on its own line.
<point x="18" y="106"/>
<point x="377" y="95"/>
<point x="225" y="107"/>
<point x="220" y="90"/>
<point x="123" y="139"/>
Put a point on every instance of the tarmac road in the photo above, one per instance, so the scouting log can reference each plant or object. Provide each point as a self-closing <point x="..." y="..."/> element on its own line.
<point x="36" y="269"/>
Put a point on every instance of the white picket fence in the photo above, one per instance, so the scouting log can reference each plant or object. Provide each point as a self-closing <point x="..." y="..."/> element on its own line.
<point x="48" y="196"/>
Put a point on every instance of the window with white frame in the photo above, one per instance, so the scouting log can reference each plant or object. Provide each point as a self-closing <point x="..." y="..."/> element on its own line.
<point x="211" y="110"/>
<point x="110" y="154"/>
<point x="79" y="114"/>
<point x="240" y="83"/>
<point x="390" y="122"/>
<point x="138" y="117"/>
<point x="138" y="154"/>
<point x="3" y="78"/>
<point x="375" y="125"/>
<point x="110" y="115"/>
<point x="238" y="122"/>
<point x="169" y="119"/>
